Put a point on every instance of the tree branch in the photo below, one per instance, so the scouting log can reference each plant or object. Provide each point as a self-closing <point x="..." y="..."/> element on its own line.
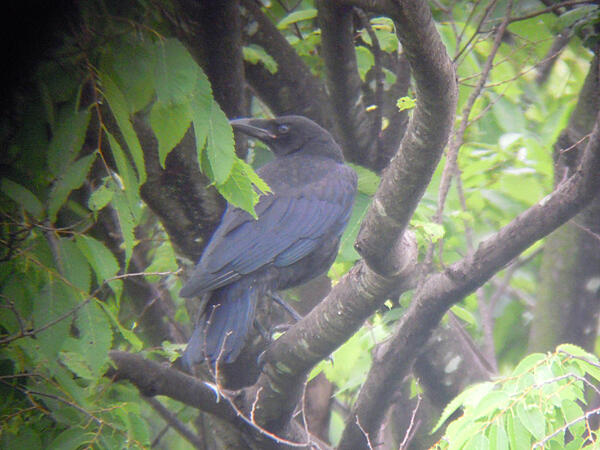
<point x="442" y="290"/>
<point x="293" y="89"/>
<point x="343" y="81"/>
<point x="409" y="173"/>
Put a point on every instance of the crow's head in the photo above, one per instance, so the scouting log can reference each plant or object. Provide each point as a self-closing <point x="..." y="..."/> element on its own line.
<point x="290" y="134"/>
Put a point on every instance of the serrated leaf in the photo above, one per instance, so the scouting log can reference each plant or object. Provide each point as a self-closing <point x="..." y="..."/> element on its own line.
<point x="128" y="176"/>
<point x="169" y="121"/>
<point x="118" y="105"/>
<point x="532" y="419"/>
<point x="517" y="434"/>
<point x="497" y="435"/>
<point x="528" y="363"/>
<point x="238" y="189"/>
<point x="220" y="145"/>
<point x="297" y="16"/>
<point x="71" y="179"/>
<point x="100" y="198"/>
<point x="492" y="401"/>
<point x="95" y="337"/>
<point x="138" y="430"/>
<point x="131" y="62"/>
<point x="75" y="361"/>
<point x="163" y="260"/>
<point x="23" y="197"/>
<point x="67" y="141"/>
<point x="72" y="438"/>
<point x="127" y="223"/>
<point x="101" y="259"/>
<point x="580" y="13"/>
<point x="176" y="72"/>
<point x="201" y="105"/>
<point x="468" y="396"/>
<point x="73" y="265"/>
<point x="50" y="304"/>
<point x="255" y="54"/>
<point x="129" y="335"/>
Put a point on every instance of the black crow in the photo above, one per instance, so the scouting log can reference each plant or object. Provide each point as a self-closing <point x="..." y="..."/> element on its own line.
<point x="295" y="238"/>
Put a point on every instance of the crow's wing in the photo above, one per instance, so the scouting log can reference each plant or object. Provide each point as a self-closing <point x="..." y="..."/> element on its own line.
<point x="289" y="227"/>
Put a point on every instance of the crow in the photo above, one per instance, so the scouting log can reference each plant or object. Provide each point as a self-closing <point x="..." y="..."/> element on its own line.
<point x="295" y="238"/>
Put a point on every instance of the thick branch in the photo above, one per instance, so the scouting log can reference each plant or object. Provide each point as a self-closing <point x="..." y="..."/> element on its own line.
<point x="293" y="89"/>
<point x="441" y="291"/>
<point x="343" y="81"/>
<point x="152" y="378"/>
<point x="409" y="173"/>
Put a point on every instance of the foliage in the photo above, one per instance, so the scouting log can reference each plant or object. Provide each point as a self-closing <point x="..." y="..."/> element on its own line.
<point x="539" y="405"/>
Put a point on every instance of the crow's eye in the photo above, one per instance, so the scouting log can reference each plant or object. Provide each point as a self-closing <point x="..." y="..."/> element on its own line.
<point x="283" y="128"/>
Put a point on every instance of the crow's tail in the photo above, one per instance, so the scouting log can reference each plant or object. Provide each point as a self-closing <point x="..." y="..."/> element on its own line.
<point x="221" y="331"/>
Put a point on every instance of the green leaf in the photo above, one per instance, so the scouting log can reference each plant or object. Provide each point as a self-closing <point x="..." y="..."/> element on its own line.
<point x="127" y="222"/>
<point x="51" y="303"/>
<point x="255" y="54"/>
<point x="201" y="106"/>
<point x="130" y="62"/>
<point x="578" y="14"/>
<point x="532" y="419"/>
<point x="491" y="402"/>
<point x="571" y="411"/>
<point x="74" y="265"/>
<point x="176" y="72"/>
<point x="72" y="178"/>
<point x="364" y="60"/>
<point x="67" y="141"/>
<point x="128" y="176"/>
<point x="470" y="395"/>
<point x="432" y="231"/>
<point x="101" y="259"/>
<point x="75" y="360"/>
<point x="528" y="363"/>
<point x="368" y="181"/>
<point x="238" y="188"/>
<point x="72" y="438"/>
<point x="100" y="198"/>
<point x="95" y="337"/>
<point x="163" y="260"/>
<point x="347" y="251"/>
<point x="169" y="122"/>
<point x="23" y="197"/>
<point x="297" y="16"/>
<point x="118" y="105"/>
<point x="129" y="335"/>
<point x="138" y="430"/>
<point x="497" y="435"/>
<point x="220" y="145"/>
<point x="406" y="103"/>
<point x="465" y="315"/>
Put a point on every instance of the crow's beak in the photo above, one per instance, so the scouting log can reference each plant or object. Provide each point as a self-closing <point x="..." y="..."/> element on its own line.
<point x="257" y="128"/>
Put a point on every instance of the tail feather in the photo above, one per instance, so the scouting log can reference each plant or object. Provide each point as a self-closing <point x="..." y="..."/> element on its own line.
<point x="221" y="331"/>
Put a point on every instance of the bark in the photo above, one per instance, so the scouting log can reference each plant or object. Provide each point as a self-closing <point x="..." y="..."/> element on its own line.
<point x="293" y="89"/>
<point x="343" y="81"/>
